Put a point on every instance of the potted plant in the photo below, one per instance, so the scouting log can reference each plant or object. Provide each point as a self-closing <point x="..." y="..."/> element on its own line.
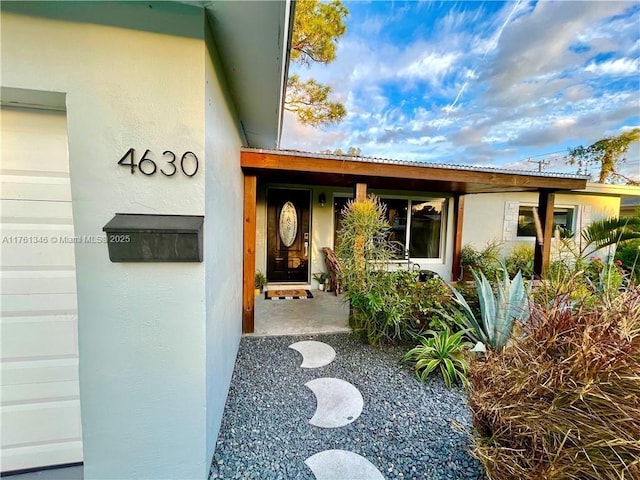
<point x="260" y="282"/>
<point x="321" y="278"/>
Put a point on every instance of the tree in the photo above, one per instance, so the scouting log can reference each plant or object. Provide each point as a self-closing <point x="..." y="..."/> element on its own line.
<point x="317" y="28"/>
<point x="351" y="152"/>
<point x="608" y="154"/>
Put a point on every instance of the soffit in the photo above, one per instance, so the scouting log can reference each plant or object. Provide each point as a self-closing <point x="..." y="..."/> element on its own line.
<point x="252" y="38"/>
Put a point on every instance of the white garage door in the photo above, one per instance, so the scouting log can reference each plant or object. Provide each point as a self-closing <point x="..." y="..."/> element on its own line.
<point x="40" y="394"/>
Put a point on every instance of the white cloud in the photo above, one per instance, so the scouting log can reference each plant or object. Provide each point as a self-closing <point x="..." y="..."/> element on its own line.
<point x="544" y="84"/>
<point x="430" y="66"/>
<point x="620" y="66"/>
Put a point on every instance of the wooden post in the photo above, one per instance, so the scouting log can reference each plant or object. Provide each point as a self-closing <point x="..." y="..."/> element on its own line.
<point x="361" y="192"/>
<point x="249" y="258"/>
<point x="542" y="253"/>
<point x="458" y="217"/>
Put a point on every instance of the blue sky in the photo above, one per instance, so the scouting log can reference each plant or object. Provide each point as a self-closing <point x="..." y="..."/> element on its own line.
<point x="482" y="83"/>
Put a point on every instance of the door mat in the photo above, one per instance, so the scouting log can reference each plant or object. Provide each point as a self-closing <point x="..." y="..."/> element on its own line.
<point x="287" y="294"/>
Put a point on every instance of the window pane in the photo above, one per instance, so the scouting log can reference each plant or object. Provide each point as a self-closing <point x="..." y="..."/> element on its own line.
<point x="426" y="229"/>
<point x="338" y="205"/>
<point x="397" y="218"/>
<point x="526" y="225"/>
<point x="562" y="217"/>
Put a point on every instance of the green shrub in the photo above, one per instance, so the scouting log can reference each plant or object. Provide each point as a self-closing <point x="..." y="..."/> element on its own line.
<point x="520" y="258"/>
<point x="396" y="306"/>
<point x="629" y="255"/>
<point x="486" y="259"/>
<point x="442" y="350"/>
<point x="563" y="401"/>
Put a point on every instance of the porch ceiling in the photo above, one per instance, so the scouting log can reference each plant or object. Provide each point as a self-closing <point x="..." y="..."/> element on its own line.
<point x="340" y="171"/>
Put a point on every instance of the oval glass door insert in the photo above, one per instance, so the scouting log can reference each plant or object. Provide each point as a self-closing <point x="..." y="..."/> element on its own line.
<point x="288" y="224"/>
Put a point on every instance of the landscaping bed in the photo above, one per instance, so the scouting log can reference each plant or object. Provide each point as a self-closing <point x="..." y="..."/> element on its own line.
<point x="407" y="429"/>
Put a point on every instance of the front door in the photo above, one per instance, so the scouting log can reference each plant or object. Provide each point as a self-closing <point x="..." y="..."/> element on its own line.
<point x="288" y="239"/>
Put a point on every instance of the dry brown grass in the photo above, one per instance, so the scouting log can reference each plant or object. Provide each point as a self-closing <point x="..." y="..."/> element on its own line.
<point x="563" y="402"/>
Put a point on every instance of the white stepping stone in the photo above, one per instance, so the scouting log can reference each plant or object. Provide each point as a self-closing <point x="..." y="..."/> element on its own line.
<point x="314" y="354"/>
<point x="341" y="465"/>
<point x="338" y="402"/>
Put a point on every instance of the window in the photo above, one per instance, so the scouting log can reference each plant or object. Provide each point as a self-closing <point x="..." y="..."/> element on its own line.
<point x="420" y="233"/>
<point x="562" y="219"/>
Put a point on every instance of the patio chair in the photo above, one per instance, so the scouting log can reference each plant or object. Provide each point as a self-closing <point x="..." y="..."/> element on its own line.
<point x="333" y="266"/>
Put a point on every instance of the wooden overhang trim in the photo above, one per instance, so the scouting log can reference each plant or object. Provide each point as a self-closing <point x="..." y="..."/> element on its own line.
<point x="256" y="161"/>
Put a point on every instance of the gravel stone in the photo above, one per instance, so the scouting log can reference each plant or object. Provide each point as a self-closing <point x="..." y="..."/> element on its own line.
<point x="405" y="429"/>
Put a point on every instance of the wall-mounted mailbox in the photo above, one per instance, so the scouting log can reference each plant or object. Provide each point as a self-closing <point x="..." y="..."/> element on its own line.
<point x="154" y="238"/>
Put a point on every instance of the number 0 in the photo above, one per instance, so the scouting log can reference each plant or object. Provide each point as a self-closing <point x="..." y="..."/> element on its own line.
<point x="195" y="158"/>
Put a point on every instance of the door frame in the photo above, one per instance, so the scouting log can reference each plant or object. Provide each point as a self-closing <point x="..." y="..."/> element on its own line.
<point x="309" y="190"/>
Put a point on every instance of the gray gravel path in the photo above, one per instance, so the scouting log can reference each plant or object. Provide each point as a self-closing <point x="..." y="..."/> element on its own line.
<point x="405" y="429"/>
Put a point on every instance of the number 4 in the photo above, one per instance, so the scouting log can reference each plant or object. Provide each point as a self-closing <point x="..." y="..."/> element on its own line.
<point x="132" y="163"/>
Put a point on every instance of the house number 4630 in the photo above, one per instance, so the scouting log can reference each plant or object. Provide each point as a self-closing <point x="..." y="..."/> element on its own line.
<point x="188" y="163"/>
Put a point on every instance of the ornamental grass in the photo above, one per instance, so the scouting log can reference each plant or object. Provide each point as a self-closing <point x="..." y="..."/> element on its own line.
<point x="563" y="400"/>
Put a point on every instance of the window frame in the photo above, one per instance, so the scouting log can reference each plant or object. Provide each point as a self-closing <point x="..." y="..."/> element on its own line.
<point x="411" y="199"/>
<point x="572" y="227"/>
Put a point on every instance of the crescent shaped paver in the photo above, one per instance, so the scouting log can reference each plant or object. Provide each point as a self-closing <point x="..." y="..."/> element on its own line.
<point x="338" y="402"/>
<point x="342" y="464"/>
<point x="314" y="354"/>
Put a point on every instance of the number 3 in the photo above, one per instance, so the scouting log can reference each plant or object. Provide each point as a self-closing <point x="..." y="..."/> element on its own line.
<point x="173" y="159"/>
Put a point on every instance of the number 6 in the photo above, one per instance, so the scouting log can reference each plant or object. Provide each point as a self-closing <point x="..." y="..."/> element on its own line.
<point x="145" y="159"/>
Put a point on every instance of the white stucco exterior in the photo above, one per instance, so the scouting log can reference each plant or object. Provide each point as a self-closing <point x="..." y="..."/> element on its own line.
<point x="157" y="341"/>
<point x="486" y="216"/>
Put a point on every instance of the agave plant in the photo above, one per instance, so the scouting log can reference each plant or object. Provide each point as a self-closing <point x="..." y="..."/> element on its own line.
<point x="441" y="349"/>
<point x="498" y="312"/>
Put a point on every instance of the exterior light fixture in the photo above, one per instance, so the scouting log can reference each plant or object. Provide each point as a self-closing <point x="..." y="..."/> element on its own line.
<point x="322" y="199"/>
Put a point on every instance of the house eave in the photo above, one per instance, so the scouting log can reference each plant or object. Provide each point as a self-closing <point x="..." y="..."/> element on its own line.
<point x="255" y="62"/>
<point x="322" y="169"/>
<point x="605" y="189"/>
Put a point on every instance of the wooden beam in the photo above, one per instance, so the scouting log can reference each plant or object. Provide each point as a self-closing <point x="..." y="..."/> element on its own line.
<point x="458" y="217"/>
<point x="542" y="252"/>
<point x="249" y="257"/>
<point x="257" y="161"/>
<point x="361" y="192"/>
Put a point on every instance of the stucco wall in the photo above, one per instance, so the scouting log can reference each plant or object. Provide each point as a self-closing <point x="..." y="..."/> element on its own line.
<point x="150" y="395"/>
<point x="223" y="229"/>
<point x="484" y="214"/>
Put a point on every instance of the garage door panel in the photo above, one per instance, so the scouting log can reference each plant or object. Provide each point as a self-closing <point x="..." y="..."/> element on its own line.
<point x="37" y="246"/>
<point x="41" y="304"/>
<point x="40" y="392"/>
<point x="20" y="458"/>
<point x="34" y="141"/>
<point x="22" y="190"/>
<point x="17" y="209"/>
<point x="36" y="339"/>
<point x="39" y="371"/>
<point x="20" y="282"/>
<point x="21" y="424"/>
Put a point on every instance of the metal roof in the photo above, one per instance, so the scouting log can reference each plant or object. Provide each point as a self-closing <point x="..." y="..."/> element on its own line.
<point x="414" y="163"/>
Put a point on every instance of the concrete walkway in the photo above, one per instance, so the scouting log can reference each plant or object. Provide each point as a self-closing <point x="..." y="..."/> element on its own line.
<point x="324" y="313"/>
<point x="338" y="403"/>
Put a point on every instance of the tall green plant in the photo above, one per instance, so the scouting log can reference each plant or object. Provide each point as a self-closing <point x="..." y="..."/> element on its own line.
<point x="362" y="247"/>
<point x="497" y="312"/>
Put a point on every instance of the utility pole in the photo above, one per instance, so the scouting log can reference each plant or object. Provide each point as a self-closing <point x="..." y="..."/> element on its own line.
<point x="541" y="163"/>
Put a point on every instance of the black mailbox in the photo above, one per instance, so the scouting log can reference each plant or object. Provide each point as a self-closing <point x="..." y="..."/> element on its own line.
<point x="154" y="238"/>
